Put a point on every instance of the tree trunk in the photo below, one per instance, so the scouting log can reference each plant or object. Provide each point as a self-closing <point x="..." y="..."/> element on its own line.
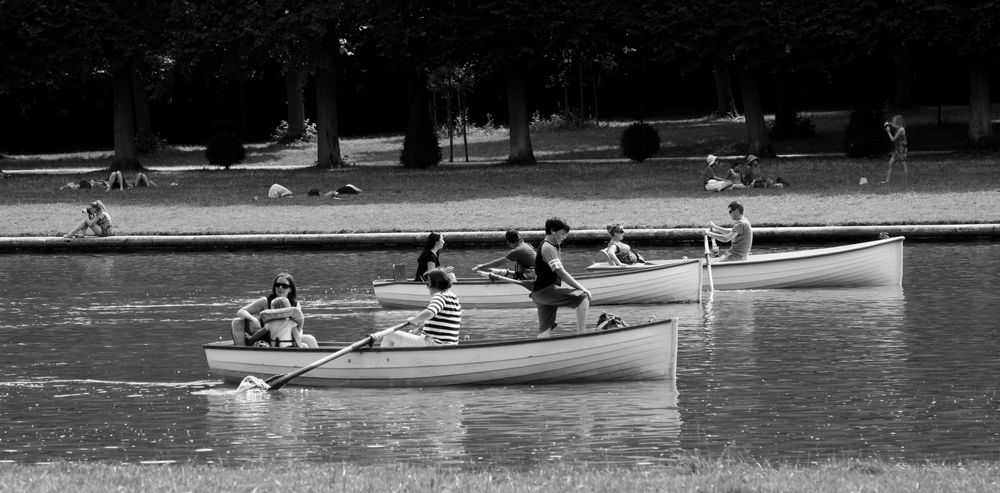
<point x="784" y="104"/>
<point x="980" y="125"/>
<point x="753" y="111"/>
<point x="724" y="101"/>
<point x="904" y="93"/>
<point x="328" y="134"/>
<point x="519" y="120"/>
<point x="296" y="104"/>
<point x="124" y="112"/>
<point x="145" y="140"/>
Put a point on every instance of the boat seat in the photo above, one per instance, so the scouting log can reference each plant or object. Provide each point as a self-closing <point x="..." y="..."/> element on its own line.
<point x="398" y="272"/>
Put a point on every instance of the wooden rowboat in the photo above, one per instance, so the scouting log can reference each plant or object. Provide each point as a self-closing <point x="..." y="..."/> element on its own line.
<point x="669" y="282"/>
<point x="640" y="352"/>
<point x="872" y="263"/>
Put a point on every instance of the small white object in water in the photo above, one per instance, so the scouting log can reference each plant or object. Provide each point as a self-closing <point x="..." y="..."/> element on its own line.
<point x="252" y="382"/>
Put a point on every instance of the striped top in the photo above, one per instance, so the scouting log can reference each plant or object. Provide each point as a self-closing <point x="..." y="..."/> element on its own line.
<point x="443" y="326"/>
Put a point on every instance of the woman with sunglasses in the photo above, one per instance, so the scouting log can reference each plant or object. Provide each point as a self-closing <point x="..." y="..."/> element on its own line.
<point x="620" y="253"/>
<point x="248" y="326"/>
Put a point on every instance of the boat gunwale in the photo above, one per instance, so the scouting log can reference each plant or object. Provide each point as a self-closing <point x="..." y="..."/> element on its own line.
<point x="228" y="345"/>
<point x="784" y="256"/>
<point x="583" y="276"/>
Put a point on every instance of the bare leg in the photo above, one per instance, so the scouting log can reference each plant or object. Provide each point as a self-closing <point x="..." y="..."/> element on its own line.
<point x="582" y="310"/>
<point x="888" y="172"/>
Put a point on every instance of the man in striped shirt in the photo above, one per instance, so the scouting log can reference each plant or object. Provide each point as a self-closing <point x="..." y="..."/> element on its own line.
<point x="439" y="323"/>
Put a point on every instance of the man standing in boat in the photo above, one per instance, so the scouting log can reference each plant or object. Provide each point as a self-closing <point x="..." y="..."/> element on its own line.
<point x="741" y="234"/>
<point x="547" y="291"/>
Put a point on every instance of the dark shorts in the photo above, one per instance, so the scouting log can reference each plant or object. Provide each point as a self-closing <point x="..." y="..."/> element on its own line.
<point x="549" y="299"/>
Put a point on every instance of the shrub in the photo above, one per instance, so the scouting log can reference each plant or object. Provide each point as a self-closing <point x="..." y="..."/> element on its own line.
<point x="564" y="119"/>
<point x="865" y="133"/>
<point x="280" y="134"/>
<point x="225" y="149"/>
<point x="640" y="141"/>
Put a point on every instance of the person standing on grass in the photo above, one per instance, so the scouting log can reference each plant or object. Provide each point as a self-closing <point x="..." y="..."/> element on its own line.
<point x="547" y="291"/>
<point x="896" y="129"/>
<point x="520" y="253"/>
<point x="741" y="234"/>
<point x="711" y="180"/>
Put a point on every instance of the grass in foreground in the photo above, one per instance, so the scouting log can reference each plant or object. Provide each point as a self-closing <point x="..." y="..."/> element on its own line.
<point x="687" y="475"/>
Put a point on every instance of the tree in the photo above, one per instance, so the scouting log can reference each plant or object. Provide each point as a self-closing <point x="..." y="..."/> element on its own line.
<point x="88" y="39"/>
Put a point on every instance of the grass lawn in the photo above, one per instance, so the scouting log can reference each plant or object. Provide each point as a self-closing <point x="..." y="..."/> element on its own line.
<point x="695" y="474"/>
<point x="580" y="177"/>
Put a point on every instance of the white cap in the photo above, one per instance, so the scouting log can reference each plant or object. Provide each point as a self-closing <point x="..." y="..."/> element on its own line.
<point x="711" y="159"/>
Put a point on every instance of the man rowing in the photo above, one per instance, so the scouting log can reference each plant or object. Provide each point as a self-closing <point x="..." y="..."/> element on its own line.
<point x="740" y="235"/>
<point x="520" y="253"/>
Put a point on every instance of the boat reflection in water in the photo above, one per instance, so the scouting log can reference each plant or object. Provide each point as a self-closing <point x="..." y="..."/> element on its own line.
<point x="620" y="423"/>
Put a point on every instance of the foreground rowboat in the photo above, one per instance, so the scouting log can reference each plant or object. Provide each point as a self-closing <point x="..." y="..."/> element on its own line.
<point x="872" y="263"/>
<point x="639" y="352"/>
<point x="667" y="282"/>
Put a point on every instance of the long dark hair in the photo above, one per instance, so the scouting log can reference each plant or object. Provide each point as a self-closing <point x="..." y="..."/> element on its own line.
<point x="432" y="240"/>
<point x="291" y="290"/>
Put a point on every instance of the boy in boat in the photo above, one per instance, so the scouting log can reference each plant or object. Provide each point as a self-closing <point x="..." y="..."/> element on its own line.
<point x="547" y="291"/>
<point x="741" y="234"/>
<point x="520" y="253"/>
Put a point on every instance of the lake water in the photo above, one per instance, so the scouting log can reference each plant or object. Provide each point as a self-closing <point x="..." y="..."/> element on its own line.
<point x="102" y="361"/>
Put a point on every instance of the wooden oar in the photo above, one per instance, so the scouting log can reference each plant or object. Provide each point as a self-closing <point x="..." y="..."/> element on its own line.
<point x="708" y="264"/>
<point x="278" y="381"/>
<point x="494" y="277"/>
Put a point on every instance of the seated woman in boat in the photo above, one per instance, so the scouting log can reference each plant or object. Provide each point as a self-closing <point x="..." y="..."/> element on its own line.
<point x="247" y="328"/>
<point x="520" y="253"/>
<point x="437" y="324"/>
<point x="428" y="258"/>
<point x="620" y="253"/>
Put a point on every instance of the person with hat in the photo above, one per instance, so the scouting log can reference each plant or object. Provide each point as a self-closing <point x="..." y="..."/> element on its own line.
<point x="740" y="235"/>
<point x="711" y="179"/>
<point x="520" y="253"/>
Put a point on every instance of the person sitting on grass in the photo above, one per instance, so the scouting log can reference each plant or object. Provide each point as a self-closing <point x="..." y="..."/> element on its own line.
<point x="97" y="221"/>
<point x="521" y="254"/>
<point x="711" y="179"/>
<point x="117" y="179"/>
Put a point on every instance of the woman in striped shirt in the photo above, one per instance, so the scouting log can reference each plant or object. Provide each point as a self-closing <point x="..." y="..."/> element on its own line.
<point x="439" y="323"/>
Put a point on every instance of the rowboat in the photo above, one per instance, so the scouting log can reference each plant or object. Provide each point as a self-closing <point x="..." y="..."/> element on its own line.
<point x="639" y="352"/>
<point x="669" y="282"/>
<point x="872" y="263"/>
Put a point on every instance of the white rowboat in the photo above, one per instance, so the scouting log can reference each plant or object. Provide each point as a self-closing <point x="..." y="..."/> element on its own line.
<point x="639" y="352"/>
<point x="668" y="282"/>
<point x="872" y="263"/>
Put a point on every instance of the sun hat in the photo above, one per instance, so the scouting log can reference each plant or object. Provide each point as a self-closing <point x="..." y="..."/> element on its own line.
<point x="711" y="159"/>
<point x="751" y="158"/>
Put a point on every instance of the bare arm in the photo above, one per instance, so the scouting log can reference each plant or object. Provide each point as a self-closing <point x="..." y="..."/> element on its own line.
<point x="610" y="251"/>
<point x="568" y="279"/>
<point x="490" y="264"/>
<point x="250" y="311"/>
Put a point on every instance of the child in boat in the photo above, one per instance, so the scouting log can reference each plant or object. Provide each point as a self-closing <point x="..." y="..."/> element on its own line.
<point x="283" y="329"/>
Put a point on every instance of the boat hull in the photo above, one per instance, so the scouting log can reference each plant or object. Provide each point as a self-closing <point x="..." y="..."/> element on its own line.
<point x="668" y="282"/>
<point x="640" y="352"/>
<point x="873" y="263"/>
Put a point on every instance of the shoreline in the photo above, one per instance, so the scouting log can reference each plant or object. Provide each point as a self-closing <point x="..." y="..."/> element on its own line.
<point x="349" y="241"/>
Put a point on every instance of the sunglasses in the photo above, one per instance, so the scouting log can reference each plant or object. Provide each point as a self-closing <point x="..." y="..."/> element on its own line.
<point x="282" y="285"/>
